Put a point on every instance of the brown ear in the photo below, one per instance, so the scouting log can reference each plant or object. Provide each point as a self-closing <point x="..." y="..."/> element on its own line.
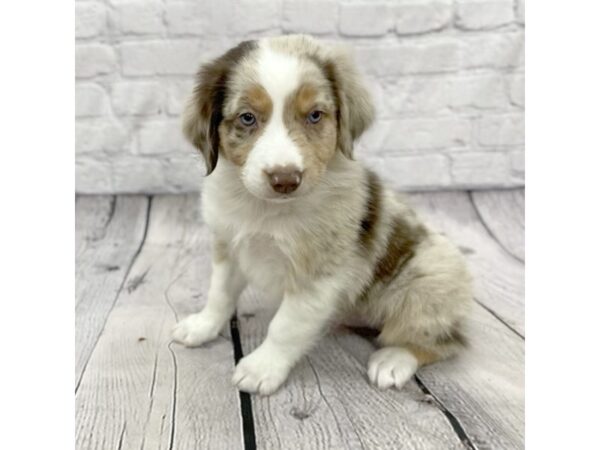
<point x="204" y="110"/>
<point x="355" y="108"/>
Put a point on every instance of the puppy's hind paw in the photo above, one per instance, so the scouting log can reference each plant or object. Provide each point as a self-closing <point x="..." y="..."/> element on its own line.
<point x="391" y="366"/>
<point x="196" y="330"/>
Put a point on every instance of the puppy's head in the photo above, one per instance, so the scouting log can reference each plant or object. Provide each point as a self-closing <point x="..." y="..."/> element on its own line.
<point x="279" y="109"/>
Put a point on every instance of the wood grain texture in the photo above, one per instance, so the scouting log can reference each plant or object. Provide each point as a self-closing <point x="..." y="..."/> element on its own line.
<point x="503" y="213"/>
<point x="483" y="387"/>
<point x="327" y="401"/>
<point x="140" y="390"/>
<point x="499" y="278"/>
<point x="108" y="234"/>
<point x="92" y="215"/>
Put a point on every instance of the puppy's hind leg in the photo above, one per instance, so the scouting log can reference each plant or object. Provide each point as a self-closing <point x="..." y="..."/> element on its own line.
<point x="400" y="357"/>
<point x="406" y="348"/>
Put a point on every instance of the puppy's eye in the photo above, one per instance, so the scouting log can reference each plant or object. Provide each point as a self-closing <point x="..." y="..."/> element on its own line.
<point x="247" y="119"/>
<point x="314" y="116"/>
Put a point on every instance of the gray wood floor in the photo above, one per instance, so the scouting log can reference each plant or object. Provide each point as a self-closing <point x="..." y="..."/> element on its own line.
<point x="143" y="263"/>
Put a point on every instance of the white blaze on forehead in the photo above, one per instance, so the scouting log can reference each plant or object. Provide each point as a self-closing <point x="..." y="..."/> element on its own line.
<point x="279" y="74"/>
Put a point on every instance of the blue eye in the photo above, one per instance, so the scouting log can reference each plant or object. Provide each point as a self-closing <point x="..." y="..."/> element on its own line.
<point x="314" y="116"/>
<point x="247" y="119"/>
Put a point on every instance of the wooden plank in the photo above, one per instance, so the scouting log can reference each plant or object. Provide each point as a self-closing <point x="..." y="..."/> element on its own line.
<point x="140" y="390"/>
<point x="92" y="215"/>
<point x="483" y="387"/>
<point x="327" y="401"/>
<point x="503" y="213"/>
<point x="499" y="277"/>
<point x="108" y="235"/>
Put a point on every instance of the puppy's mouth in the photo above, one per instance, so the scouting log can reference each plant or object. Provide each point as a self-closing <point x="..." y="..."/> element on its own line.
<point x="275" y="197"/>
<point x="283" y="198"/>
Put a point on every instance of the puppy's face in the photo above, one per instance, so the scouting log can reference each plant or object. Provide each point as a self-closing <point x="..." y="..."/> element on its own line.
<point x="278" y="109"/>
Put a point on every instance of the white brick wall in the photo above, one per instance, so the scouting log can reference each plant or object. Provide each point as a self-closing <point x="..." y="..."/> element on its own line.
<point x="447" y="77"/>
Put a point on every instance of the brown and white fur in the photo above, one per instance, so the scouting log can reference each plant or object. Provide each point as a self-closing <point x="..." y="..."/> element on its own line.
<point x="292" y="213"/>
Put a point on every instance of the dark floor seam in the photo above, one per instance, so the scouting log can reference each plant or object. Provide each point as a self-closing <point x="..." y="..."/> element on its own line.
<point x="245" y="399"/>
<point x="493" y="313"/>
<point x="111" y="212"/>
<point x="174" y="407"/>
<point x="454" y="422"/>
<point x="133" y="260"/>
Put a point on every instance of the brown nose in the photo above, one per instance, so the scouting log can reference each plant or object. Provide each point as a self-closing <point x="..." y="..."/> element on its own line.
<point x="284" y="179"/>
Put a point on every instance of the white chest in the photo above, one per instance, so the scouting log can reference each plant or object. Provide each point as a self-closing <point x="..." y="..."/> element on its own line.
<point x="262" y="263"/>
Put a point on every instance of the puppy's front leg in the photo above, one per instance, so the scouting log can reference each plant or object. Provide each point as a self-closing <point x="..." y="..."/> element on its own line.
<point x="300" y="320"/>
<point x="226" y="285"/>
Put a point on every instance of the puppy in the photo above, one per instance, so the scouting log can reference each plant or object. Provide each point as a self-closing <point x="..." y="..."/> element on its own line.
<point x="294" y="214"/>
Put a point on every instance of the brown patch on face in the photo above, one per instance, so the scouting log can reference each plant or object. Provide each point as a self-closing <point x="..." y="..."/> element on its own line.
<point x="237" y="140"/>
<point x="257" y="99"/>
<point x="204" y="113"/>
<point x="370" y="219"/>
<point x="316" y="141"/>
<point x="400" y="249"/>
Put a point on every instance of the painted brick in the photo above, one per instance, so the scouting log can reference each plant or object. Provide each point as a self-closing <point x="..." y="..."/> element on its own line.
<point x="177" y="95"/>
<point x="310" y="16"/>
<point x="365" y="19"/>
<point x="516" y="89"/>
<point x="138" y="98"/>
<point x="409" y="172"/>
<point x="503" y="130"/>
<point x="184" y="173"/>
<point x="138" y="174"/>
<point x="484" y="169"/>
<point x="449" y="94"/>
<point x="480" y="92"/>
<point x="90" y="19"/>
<point x="257" y="15"/>
<point x="138" y="17"/>
<point x="199" y="17"/>
<point x="413" y="17"/>
<point x="99" y="136"/>
<point x="520" y="13"/>
<point x="503" y="50"/>
<point x="94" y="59"/>
<point x="426" y="134"/>
<point x="90" y="100"/>
<point x="484" y="14"/>
<point x="181" y="57"/>
<point x="416" y="95"/>
<point x="162" y="137"/>
<point x="517" y="164"/>
<point x="93" y="176"/>
<point x="439" y="55"/>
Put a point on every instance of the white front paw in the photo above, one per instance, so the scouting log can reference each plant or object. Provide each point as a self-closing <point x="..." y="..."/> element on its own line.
<point x="391" y="366"/>
<point x="196" y="330"/>
<point x="260" y="372"/>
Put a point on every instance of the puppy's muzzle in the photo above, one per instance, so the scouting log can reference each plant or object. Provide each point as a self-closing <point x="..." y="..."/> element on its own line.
<point x="284" y="180"/>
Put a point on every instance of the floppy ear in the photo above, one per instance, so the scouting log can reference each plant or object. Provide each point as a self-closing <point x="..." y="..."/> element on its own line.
<point x="355" y="108"/>
<point x="204" y="110"/>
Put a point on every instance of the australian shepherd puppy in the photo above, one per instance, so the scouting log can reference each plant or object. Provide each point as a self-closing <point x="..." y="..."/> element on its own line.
<point x="292" y="213"/>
